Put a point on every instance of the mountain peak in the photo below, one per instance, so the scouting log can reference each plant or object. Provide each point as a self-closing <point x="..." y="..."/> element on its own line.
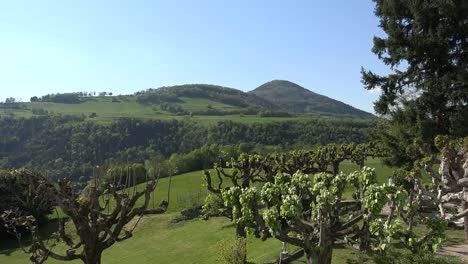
<point x="292" y="97"/>
<point x="280" y="84"/>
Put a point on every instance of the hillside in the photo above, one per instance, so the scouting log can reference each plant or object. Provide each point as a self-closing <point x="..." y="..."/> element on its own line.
<point x="220" y="94"/>
<point x="273" y="101"/>
<point x="294" y="98"/>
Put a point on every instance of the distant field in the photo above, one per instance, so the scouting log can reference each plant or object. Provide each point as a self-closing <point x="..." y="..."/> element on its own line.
<point x="127" y="106"/>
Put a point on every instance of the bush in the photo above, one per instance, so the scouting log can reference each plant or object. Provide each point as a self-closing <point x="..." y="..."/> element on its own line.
<point x="213" y="205"/>
<point x="393" y="256"/>
<point x="273" y="114"/>
<point x="233" y="251"/>
<point x="39" y="111"/>
<point x="24" y="196"/>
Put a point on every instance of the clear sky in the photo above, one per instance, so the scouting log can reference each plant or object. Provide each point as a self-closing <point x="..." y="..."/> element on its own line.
<point x="52" y="46"/>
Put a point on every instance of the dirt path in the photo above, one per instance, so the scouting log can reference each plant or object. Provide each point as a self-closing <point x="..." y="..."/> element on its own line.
<point x="455" y="250"/>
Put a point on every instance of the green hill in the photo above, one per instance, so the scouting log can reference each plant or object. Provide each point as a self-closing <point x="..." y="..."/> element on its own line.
<point x="273" y="101"/>
<point x="223" y="95"/>
<point x="294" y="98"/>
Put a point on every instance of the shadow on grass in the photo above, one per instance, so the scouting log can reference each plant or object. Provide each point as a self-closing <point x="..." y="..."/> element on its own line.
<point x="230" y="225"/>
<point x="9" y="244"/>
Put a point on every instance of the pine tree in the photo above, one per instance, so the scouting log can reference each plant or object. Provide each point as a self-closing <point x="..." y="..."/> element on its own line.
<point x="426" y="93"/>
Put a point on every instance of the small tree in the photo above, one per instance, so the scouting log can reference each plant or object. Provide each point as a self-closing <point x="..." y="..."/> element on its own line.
<point x="100" y="218"/>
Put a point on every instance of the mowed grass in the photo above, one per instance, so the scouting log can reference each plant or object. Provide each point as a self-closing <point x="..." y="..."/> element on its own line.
<point x="158" y="240"/>
<point x="108" y="110"/>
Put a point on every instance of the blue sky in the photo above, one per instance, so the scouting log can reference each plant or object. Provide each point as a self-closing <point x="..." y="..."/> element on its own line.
<point x="125" y="46"/>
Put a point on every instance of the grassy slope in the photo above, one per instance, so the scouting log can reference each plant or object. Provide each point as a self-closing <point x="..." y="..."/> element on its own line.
<point x="187" y="242"/>
<point x="127" y="106"/>
<point x="158" y="240"/>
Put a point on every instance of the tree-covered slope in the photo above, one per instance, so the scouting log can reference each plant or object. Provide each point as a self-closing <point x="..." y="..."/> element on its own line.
<point x="294" y="98"/>
<point x="68" y="145"/>
<point x="232" y="100"/>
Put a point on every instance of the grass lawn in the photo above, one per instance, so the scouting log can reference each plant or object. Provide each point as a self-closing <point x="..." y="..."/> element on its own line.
<point x="158" y="240"/>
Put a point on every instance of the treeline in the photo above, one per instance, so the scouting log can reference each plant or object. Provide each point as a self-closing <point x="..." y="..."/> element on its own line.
<point x="216" y="93"/>
<point x="67" y="98"/>
<point x="69" y="146"/>
<point x="12" y="103"/>
<point x="64" y="98"/>
<point x="129" y="174"/>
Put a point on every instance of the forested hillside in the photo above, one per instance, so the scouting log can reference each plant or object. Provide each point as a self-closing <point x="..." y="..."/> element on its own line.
<point x="69" y="145"/>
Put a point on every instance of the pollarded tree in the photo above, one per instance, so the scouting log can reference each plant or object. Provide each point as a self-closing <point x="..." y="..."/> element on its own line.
<point x="245" y="170"/>
<point x="250" y="169"/>
<point x="310" y="211"/>
<point x="449" y="190"/>
<point x="100" y="218"/>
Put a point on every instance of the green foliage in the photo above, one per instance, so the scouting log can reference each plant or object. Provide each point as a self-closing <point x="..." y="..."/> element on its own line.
<point x="39" y="111"/>
<point x="64" y="98"/>
<point x="273" y="114"/>
<point x="306" y="210"/>
<point x="69" y="146"/>
<point x="296" y="198"/>
<point x="173" y="108"/>
<point x="216" y="93"/>
<point x="127" y="175"/>
<point x="426" y="93"/>
<point x="212" y="205"/>
<point x="394" y="256"/>
<point x="233" y="251"/>
<point x="24" y="196"/>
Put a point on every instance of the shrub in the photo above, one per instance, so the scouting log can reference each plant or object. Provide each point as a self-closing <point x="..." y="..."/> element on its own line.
<point x="19" y="193"/>
<point x="233" y="251"/>
<point x="39" y="111"/>
<point x="393" y="256"/>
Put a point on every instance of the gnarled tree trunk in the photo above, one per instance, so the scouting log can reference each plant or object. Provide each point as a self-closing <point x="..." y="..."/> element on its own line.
<point x="319" y="255"/>
<point x="92" y="256"/>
